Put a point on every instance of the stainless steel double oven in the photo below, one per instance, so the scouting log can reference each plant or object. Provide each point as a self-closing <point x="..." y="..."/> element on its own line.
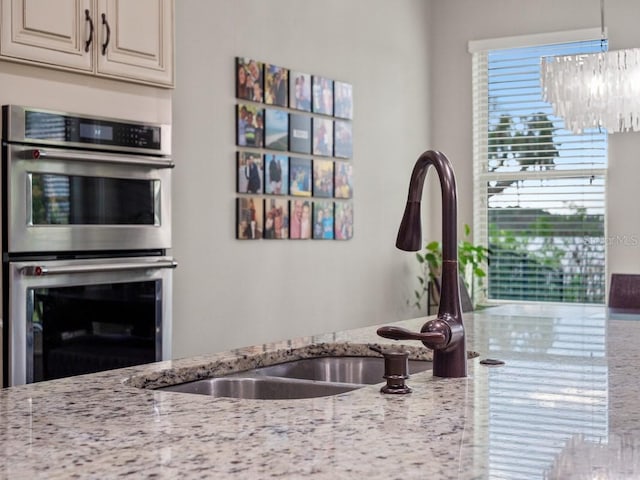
<point x="86" y="225"/>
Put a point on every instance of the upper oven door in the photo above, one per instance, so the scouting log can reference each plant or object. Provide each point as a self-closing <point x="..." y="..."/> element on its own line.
<point x="74" y="200"/>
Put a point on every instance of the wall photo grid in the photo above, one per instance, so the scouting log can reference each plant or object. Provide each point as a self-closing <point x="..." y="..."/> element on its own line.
<point x="294" y="139"/>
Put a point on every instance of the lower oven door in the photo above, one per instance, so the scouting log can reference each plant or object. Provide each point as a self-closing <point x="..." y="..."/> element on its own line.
<point x="70" y="317"/>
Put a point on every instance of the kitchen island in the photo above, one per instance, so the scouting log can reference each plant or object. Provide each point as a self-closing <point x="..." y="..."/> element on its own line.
<point x="564" y="403"/>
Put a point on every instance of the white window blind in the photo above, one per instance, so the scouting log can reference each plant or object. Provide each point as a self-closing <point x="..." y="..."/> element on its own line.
<point x="539" y="190"/>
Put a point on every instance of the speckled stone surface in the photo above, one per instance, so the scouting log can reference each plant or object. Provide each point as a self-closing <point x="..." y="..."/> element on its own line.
<point x="564" y="405"/>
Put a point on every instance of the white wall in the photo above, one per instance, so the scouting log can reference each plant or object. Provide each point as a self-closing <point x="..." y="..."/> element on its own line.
<point x="411" y="71"/>
<point x="231" y="293"/>
<point x="455" y="22"/>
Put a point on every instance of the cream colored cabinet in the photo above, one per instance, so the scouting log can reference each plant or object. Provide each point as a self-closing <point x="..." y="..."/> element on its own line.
<point x="125" y="39"/>
<point x="135" y="40"/>
<point x="56" y="33"/>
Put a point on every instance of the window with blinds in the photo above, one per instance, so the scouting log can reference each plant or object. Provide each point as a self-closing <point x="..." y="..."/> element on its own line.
<point x="539" y="190"/>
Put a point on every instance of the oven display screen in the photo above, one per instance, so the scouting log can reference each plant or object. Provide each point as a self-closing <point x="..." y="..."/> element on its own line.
<point x="96" y="132"/>
<point x="64" y="128"/>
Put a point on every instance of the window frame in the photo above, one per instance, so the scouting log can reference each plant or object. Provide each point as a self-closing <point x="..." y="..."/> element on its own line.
<point x="480" y="111"/>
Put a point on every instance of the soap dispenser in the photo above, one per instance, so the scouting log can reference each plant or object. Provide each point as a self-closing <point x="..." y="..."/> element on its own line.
<point x="396" y="370"/>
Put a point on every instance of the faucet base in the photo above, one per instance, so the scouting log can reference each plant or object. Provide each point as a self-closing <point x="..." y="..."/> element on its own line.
<point x="450" y="364"/>
<point x="396" y="390"/>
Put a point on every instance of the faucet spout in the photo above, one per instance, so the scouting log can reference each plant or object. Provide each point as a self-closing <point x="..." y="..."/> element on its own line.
<point x="410" y="232"/>
<point x="449" y="358"/>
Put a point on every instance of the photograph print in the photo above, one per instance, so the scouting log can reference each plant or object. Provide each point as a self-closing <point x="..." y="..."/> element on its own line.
<point x="249" y="217"/>
<point x="342" y="142"/>
<point x="322" y="137"/>
<point x="300" y="223"/>
<point x="343" y="100"/>
<point x="323" y="178"/>
<point x="249" y="79"/>
<point x="276" y="218"/>
<point x="300" y="177"/>
<point x="250" y="126"/>
<point x="322" y="95"/>
<point x="343" y="182"/>
<point x="323" y="219"/>
<point x="299" y="133"/>
<point x="276" y="169"/>
<point x="250" y="172"/>
<point x="343" y="221"/>
<point x="276" y="85"/>
<point x="300" y="91"/>
<point x="276" y="129"/>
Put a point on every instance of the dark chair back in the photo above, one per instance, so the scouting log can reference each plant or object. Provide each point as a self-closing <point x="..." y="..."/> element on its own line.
<point x="624" y="291"/>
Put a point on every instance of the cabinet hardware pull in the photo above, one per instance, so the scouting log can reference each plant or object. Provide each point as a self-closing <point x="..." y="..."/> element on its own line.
<point x="106" y="42"/>
<point x="87" y="18"/>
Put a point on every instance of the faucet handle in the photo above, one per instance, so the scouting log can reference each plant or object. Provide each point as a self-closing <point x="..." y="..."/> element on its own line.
<point x="399" y="333"/>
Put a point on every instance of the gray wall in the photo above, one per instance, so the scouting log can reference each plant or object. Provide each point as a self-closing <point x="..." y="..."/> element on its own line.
<point x="411" y="71"/>
<point x="231" y="293"/>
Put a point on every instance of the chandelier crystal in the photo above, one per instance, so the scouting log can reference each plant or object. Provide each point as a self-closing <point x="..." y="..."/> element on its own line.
<point x="596" y="90"/>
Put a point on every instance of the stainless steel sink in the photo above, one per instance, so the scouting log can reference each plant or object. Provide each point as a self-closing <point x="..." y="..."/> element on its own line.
<point x="262" y="388"/>
<point x="305" y="378"/>
<point x="362" y="370"/>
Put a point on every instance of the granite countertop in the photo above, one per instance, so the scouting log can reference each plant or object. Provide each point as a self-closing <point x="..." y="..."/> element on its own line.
<point x="564" y="405"/>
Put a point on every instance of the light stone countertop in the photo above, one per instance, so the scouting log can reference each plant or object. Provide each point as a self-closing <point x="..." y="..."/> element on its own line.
<point x="565" y="405"/>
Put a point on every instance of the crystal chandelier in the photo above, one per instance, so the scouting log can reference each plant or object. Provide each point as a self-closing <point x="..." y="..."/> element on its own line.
<point x="596" y="90"/>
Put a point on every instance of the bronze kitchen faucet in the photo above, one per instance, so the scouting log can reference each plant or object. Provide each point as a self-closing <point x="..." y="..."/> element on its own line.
<point x="445" y="334"/>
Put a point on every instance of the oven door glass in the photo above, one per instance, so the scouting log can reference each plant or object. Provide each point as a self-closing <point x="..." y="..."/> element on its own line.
<point x="81" y="200"/>
<point x="91" y="328"/>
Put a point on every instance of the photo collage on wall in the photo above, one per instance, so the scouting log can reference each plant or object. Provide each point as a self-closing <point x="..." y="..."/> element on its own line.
<point x="295" y="147"/>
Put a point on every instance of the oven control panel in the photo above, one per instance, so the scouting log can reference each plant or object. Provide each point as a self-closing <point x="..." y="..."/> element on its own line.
<point x="29" y="125"/>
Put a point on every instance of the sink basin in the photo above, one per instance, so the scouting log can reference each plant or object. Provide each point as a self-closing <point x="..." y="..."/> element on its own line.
<point x="262" y="388"/>
<point x="362" y="370"/>
<point x="305" y="378"/>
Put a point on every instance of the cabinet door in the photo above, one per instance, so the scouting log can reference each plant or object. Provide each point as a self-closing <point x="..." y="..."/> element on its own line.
<point x="52" y="32"/>
<point x="135" y="40"/>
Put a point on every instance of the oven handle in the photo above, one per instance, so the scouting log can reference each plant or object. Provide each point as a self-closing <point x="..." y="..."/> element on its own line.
<point x="61" y="154"/>
<point x="39" y="271"/>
